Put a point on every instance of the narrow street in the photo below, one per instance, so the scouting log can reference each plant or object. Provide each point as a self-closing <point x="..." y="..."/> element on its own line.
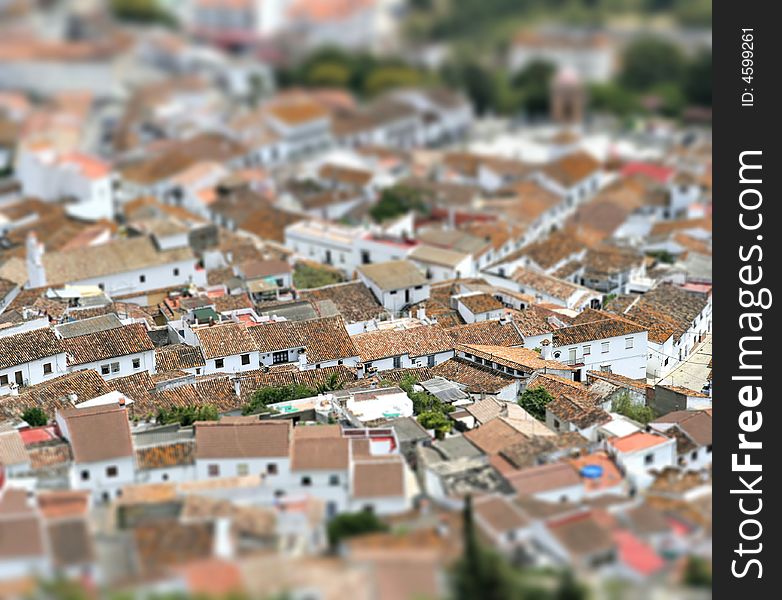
<point x="694" y="371"/>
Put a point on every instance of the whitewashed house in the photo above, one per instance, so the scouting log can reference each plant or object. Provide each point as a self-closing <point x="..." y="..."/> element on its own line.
<point x="112" y="352"/>
<point x="574" y="177"/>
<point x="424" y="346"/>
<point x="242" y="446"/>
<point x="102" y="447"/>
<point x="441" y="264"/>
<point x="121" y="266"/>
<point x="227" y="347"/>
<point x="609" y="345"/>
<point x="46" y="174"/>
<point x="30" y="358"/>
<point x="640" y="453"/>
<point x="692" y="430"/>
<point x="395" y="284"/>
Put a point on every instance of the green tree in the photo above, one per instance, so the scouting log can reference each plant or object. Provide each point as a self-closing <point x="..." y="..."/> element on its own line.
<point x="262" y="397"/>
<point x="309" y="275"/>
<point x="141" y="11"/>
<point x="698" y="85"/>
<point x="437" y="420"/>
<point x="187" y="415"/>
<point x="396" y="201"/>
<point x="330" y="74"/>
<point x="649" y="62"/>
<point x="478" y="82"/>
<point x="332" y="383"/>
<point x="613" y="98"/>
<point x="697" y="573"/>
<point x="35" y="417"/>
<point x="569" y="588"/>
<point x="624" y="405"/>
<point x="534" y="85"/>
<point x="387" y="78"/>
<point x="347" y="525"/>
<point x="534" y="401"/>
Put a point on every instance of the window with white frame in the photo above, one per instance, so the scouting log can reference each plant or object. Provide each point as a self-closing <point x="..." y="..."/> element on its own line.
<point x="587" y="350"/>
<point x="628" y="343"/>
<point x="605" y="347"/>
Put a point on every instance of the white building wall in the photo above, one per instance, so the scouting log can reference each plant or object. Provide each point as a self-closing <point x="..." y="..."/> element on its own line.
<point x="98" y="481"/>
<point x="179" y="273"/>
<point x="233" y="363"/>
<point x="233" y="467"/>
<point x="32" y="372"/>
<point x="124" y="364"/>
<point x="628" y="362"/>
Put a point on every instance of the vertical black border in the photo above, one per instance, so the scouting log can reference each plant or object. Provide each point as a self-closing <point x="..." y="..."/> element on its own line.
<point x="738" y="128"/>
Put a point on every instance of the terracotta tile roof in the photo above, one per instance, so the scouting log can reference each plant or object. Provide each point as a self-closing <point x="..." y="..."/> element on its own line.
<point x="571" y="169"/>
<point x="28" y="346"/>
<point x="177" y="357"/>
<point x="12" y="449"/>
<point x="637" y="441"/>
<point x="242" y="438"/>
<point x="70" y="543"/>
<point x="417" y="341"/>
<point x="582" y="536"/>
<point x="559" y="387"/>
<point x="138" y="387"/>
<point x="484" y="410"/>
<point x="619" y="380"/>
<point x="666" y="310"/>
<point x="432" y="255"/>
<point x="492" y="332"/>
<point x="210" y="390"/>
<point x="21" y="534"/>
<point x="573" y="409"/>
<point x="528" y="201"/>
<point x="530" y="323"/>
<point x="522" y="359"/>
<point x="53" y="394"/>
<point x="166" y="455"/>
<point x="499" y="514"/>
<point x="346" y="175"/>
<point x="536" y="448"/>
<point x="378" y="478"/>
<point x="393" y="275"/>
<point x="298" y="112"/>
<point x="47" y="456"/>
<point x="163" y="544"/>
<point x="112" y="343"/>
<point x="117" y="256"/>
<point x="480" y="303"/>
<point x="478" y="379"/>
<point x="226" y="339"/>
<point x="594" y="330"/>
<point x="320" y="453"/>
<point x="495" y="436"/>
<point x="98" y="433"/>
<point x="353" y="300"/>
<point x="545" y="478"/>
<point x="696" y="424"/>
<point x="324" y="339"/>
<point x="549" y="251"/>
<point x="604" y="261"/>
<point x="533" y="281"/>
<point x="178" y="156"/>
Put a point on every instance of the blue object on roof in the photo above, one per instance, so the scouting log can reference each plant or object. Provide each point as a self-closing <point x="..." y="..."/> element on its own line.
<point x="592" y="471"/>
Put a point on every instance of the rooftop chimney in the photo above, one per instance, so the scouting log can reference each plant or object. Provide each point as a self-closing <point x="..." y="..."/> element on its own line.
<point x="545" y="349"/>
